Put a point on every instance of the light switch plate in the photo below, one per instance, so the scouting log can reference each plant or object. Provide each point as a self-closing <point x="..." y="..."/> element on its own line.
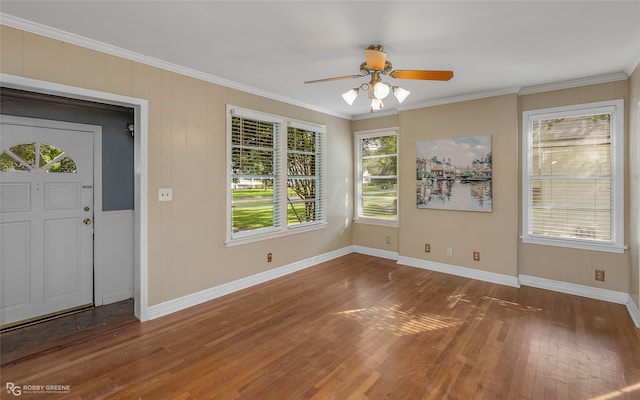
<point x="165" y="194"/>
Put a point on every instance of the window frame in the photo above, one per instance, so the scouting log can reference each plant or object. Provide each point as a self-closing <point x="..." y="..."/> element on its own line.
<point x="358" y="217"/>
<point x="281" y="226"/>
<point x="616" y="109"/>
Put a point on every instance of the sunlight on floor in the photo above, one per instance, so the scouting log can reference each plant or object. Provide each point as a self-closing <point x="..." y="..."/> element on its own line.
<point x="454" y="300"/>
<point x="618" y="393"/>
<point x="400" y="322"/>
<point x="511" y="305"/>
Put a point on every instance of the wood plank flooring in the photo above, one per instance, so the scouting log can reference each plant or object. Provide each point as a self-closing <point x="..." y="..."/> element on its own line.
<point x="357" y="327"/>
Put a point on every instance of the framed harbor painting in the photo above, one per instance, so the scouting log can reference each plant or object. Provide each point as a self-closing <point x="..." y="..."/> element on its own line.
<point x="455" y="174"/>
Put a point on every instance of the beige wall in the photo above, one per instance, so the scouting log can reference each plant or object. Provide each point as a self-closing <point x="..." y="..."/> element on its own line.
<point x="493" y="234"/>
<point x="573" y="265"/>
<point x="187" y="130"/>
<point x="634" y="185"/>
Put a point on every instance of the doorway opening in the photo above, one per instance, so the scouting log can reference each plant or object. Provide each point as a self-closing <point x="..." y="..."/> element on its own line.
<point x="137" y="132"/>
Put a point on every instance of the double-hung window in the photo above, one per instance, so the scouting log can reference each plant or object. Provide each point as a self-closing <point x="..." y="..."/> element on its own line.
<point x="377" y="177"/>
<point x="573" y="176"/>
<point x="275" y="175"/>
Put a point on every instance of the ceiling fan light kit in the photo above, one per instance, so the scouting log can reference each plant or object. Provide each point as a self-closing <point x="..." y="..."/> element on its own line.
<point x="376" y="64"/>
<point x="400" y="93"/>
<point x="351" y="95"/>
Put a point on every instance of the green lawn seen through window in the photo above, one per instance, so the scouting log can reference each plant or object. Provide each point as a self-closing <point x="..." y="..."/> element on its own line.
<point x="253" y="209"/>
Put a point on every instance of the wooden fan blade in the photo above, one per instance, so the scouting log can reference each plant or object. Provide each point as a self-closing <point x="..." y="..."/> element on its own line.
<point x="337" y="78"/>
<point x="422" y="75"/>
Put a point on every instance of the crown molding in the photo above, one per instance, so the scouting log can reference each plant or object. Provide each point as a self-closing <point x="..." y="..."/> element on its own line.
<point x="461" y="98"/>
<point x="593" y="80"/>
<point x="64" y="36"/>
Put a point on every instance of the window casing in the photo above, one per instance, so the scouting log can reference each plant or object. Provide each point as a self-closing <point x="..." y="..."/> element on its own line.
<point x="377" y="177"/>
<point x="573" y="176"/>
<point x="274" y="176"/>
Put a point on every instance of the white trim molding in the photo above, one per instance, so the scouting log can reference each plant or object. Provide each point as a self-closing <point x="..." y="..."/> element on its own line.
<point x="370" y="251"/>
<point x="611" y="296"/>
<point x="592" y="80"/>
<point x="465" y="272"/>
<point x="193" y="299"/>
<point x="634" y="312"/>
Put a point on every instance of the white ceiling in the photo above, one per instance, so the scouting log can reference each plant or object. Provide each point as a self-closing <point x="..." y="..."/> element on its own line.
<point x="271" y="47"/>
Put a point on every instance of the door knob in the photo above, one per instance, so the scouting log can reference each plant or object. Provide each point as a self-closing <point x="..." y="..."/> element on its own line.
<point x="87" y="221"/>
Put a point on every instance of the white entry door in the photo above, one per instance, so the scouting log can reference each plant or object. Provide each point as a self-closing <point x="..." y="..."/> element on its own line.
<point x="46" y="217"/>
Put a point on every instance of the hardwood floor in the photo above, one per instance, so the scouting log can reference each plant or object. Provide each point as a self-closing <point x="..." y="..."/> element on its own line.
<point x="357" y="327"/>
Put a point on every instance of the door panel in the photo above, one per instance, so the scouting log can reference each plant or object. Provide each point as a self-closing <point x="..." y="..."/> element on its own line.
<point x="61" y="196"/>
<point x="62" y="248"/>
<point x="16" y="287"/>
<point x="15" y="197"/>
<point x="46" y="215"/>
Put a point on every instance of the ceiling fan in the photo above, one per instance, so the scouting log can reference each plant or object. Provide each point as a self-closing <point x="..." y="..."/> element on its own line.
<point x="376" y="64"/>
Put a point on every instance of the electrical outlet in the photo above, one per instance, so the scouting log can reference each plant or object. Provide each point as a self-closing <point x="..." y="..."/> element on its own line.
<point x="600" y="275"/>
<point x="476" y="256"/>
<point x="388" y="239"/>
<point x="450" y="251"/>
<point x="269" y="257"/>
<point x="427" y="248"/>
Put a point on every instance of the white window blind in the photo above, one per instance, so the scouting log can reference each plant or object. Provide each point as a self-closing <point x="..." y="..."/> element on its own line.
<point x="573" y="177"/>
<point x="377" y="176"/>
<point x="254" y="151"/>
<point x="304" y="168"/>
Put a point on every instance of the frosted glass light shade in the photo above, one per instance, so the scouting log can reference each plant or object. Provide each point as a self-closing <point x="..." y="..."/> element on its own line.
<point x="381" y="90"/>
<point x="350" y="96"/>
<point x="400" y="93"/>
<point x="376" y="104"/>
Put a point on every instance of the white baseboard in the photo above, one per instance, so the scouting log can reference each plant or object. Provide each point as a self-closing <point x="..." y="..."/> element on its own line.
<point x="391" y="255"/>
<point x="190" y="300"/>
<point x="634" y="312"/>
<point x="471" y="273"/>
<point x="575" y="289"/>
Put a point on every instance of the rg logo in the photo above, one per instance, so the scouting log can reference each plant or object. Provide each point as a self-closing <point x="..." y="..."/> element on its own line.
<point x="13" y="389"/>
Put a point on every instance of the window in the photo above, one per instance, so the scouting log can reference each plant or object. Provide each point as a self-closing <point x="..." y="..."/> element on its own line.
<point x="28" y="157"/>
<point x="377" y="177"/>
<point x="275" y="171"/>
<point x="304" y="156"/>
<point x="573" y="188"/>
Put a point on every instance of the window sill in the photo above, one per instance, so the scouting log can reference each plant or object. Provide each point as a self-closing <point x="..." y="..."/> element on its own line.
<point x="575" y="244"/>
<point x="379" y="222"/>
<point x="274" y="234"/>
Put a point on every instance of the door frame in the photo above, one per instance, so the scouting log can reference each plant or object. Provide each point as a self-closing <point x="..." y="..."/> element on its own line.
<point x="140" y="165"/>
